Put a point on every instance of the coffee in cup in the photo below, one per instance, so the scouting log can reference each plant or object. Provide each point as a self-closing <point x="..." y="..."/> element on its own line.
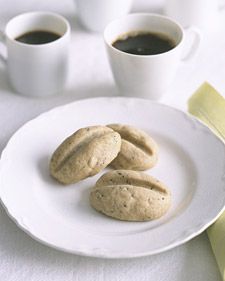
<point x="144" y="52"/>
<point x="144" y="43"/>
<point x="37" y="46"/>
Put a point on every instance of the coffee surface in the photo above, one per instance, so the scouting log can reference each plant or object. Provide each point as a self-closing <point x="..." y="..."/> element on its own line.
<point x="144" y="43"/>
<point x="38" y="37"/>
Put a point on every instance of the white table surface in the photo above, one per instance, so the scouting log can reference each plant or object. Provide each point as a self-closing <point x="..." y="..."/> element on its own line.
<point x="22" y="258"/>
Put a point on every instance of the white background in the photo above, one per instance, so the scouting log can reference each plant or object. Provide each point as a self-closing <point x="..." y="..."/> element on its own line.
<point x="22" y="258"/>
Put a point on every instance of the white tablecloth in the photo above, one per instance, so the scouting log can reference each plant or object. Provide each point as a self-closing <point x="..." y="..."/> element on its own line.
<point x="22" y="258"/>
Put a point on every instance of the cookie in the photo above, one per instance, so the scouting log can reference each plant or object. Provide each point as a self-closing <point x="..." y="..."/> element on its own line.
<point x="130" y="196"/>
<point x="84" y="154"/>
<point x="138" y="150"/>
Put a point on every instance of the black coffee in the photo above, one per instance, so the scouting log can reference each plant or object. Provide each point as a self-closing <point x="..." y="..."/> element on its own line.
<point x="38" y="37"/>
<point x="144" y="43"/>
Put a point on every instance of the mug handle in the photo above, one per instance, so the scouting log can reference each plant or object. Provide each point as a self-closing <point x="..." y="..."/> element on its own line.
<point x="3" y="56"/>
<point x="195" y="44"/>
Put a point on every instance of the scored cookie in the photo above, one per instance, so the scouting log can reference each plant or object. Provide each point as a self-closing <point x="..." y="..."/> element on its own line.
<point x="138" y="150"/>
<point x="130" y="196"/>
<point x="84" y="154"/>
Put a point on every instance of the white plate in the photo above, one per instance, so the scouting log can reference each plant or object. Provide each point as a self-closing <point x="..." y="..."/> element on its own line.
<point x="191" y="163"/>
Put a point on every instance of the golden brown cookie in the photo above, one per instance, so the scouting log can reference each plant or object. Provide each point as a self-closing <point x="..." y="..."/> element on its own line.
<point x="84" y="154"/>
<point x="130" y="196"/>
<point x="138" y="150"/>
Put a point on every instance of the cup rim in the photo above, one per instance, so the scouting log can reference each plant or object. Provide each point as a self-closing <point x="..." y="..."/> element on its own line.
<point x="144" y="14"/>
<point x="46" y="13"/>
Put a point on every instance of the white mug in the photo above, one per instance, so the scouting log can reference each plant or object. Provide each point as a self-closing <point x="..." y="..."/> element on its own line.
<point x="200" y="13"/>
<point x="37" y="70"/>
<point x="147" y="76"/>
<point x="95" y="14"/>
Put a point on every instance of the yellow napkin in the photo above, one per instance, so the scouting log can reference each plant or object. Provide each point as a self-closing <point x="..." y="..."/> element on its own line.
<point x="209" y="106"/>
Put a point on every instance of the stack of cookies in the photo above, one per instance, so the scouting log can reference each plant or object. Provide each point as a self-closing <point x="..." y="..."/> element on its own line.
<point x="124" y="193"/>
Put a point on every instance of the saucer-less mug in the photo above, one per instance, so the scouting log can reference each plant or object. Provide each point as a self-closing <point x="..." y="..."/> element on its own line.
<point x="95" y="14"/>
<point x="37" y="70"/>
<point x="147" y="76"/>
<point x="200" y="13"/>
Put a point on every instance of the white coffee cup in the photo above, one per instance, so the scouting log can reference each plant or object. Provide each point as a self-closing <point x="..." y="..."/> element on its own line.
<point x="147" y="76"/>
<point x="37" y="70"/>
<point x="95" y="14"/>
<point x="200" y="13"/>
